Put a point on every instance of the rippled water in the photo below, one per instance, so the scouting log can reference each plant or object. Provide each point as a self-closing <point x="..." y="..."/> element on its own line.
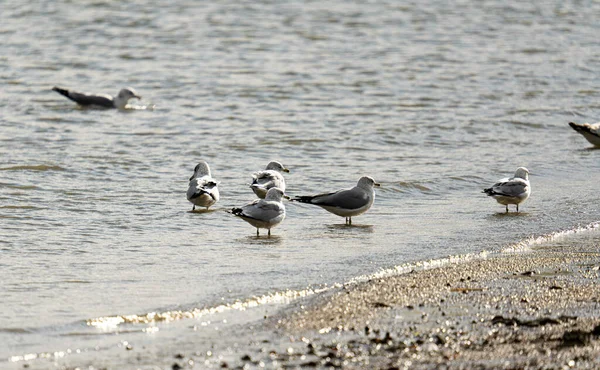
<point x="435" y="101"/>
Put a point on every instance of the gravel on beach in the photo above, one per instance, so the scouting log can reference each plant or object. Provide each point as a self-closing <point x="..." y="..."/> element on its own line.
<point x="511" y="311"/>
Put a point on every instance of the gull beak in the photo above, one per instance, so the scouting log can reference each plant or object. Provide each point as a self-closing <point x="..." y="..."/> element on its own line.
<point x="286" y="170"/>
<point x="376" y="184"/>
<point x="287" y="197"/>
<point x="191" y="178"/>
<point x="138" y="97"/>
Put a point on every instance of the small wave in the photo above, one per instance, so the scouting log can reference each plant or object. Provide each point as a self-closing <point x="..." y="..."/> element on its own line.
<point x="41" y="167"/>
<point x="522" y="246"/>
<point x="405" y="186"/>
<point x="284" y="297"/>
<point x="526" y="244"/>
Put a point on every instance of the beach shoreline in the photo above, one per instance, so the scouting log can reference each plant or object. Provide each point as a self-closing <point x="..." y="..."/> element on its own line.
<point x="535" y="309"/>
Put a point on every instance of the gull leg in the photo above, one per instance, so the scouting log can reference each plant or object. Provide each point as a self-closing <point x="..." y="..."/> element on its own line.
<point x="194" y="207"/>
<point x="269" y="232"/>
<point x="349" y="220"/>
<point x="257" y="234"/>
<point x="507" y="208"/>
<point x="517" y="208"/>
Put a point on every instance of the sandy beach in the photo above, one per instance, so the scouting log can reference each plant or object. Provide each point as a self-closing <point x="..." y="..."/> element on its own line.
<point x="537" y="309"/>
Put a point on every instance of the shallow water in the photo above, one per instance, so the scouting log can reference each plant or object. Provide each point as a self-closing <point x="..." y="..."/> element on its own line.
<point x="433" y="101"/>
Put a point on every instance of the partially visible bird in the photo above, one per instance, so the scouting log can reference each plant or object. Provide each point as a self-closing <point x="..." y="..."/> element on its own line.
<point x="346" y="202"/>
<point x="270" y="177"/>
<point x="263" y="213"/>
<point x="589" y="131"/>
<point x="100" y="100"/>
<point x="514" y="190"/>
<point x="202" y="190"/>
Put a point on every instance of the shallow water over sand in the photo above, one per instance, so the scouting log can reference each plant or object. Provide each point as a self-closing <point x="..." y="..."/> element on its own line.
<point x="434" y="102"/>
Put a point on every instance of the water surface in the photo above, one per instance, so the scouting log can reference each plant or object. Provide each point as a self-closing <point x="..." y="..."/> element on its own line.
<point x="433" y="100"/>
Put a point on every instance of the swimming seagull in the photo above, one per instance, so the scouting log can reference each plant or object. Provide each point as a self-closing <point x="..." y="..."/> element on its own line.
<point x="271" y="177"/>
<point x="346" y="202"/>
<point x="202" y="191"/>
<point x="100" y="100"/>
<point x="263" y="213"/>
<point x="589" y="131"/>
<point x="514" y="190"/>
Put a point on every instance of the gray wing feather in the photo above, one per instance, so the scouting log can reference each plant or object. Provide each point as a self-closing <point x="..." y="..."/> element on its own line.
<point x="348" y="199"/>
<point x="263" y="211"/>
<point x="512" y="188"/>
<point x="89" y="99"/>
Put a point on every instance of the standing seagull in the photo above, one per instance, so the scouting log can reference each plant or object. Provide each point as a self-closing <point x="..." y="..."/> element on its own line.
<point x="346" y="202"/>
<point x="589" y="131"/>
<point x="514" y="190"/>
<point x="202" y="191"/>
<point x="263" y="213"/>
<point x="100" y="100"/>
<point x="271" y="177"/>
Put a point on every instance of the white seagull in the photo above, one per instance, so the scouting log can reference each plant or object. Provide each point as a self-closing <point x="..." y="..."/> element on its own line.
<point x="346" y="202"/>
<point x="263" y="213"/>
<point x="514" y="190"/>
<point x="202" y="191"/>
<point x="590" y="131"/>
<point x="271" y="177"/>
<point x="100" y="100"/>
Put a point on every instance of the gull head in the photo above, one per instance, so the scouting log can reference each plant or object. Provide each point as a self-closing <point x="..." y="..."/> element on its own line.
<point x="367" y="182"/>
<point x="276" y="166"/>
<point x="522" y="173"/>
<point x="274" y="194"/>
<point x="123" y="97"/>
<point x="200" y="170"/>
<point x="128" y="93"/>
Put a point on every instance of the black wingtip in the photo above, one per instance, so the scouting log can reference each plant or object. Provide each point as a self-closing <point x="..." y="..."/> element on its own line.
<point x="578" y="128"/>
<point x="61" y="91"/>
<point x="302" y="199"/>
<point x="236" y="211"/>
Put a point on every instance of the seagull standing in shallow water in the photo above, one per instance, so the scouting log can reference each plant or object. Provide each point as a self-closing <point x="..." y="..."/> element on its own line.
<point x="589" y="131"/>
<point x="514" y="190"/>
<point x="100" y="100"/>
<point x="202" y="191"/>
<point x="347" y="202"/>
<point x="263" y="213"/>
<point x="271" y="177"/>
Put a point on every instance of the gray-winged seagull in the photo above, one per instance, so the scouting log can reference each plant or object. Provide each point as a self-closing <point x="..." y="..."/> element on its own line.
<point x="202" y="191"/>
<point x="263" y="213"/>
<point x="347" y="202"/>
<point x="514" y="190"/>
<point x="271" y="177"/>
<point x="100" y="100"/>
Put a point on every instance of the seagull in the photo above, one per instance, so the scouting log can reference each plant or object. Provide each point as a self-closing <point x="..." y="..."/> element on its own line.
<point x="100" y="100"/>
<point x="202" y="191"/>
<point x="263" y="213"/>
<point x="514" y="190"/>
<point x="271" y="177"/>
<point x="589" y="131"/>
<point x="346" y="202"/>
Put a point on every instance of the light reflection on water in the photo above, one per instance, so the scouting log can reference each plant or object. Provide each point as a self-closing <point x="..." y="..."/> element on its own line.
<point x="433" y="101"/>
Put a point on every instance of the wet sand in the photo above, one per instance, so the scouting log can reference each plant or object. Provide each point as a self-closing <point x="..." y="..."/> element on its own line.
<point x="538" y="309"/>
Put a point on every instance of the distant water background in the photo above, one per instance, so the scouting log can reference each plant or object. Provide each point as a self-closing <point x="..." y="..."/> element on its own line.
<point x="435" y="100"/>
